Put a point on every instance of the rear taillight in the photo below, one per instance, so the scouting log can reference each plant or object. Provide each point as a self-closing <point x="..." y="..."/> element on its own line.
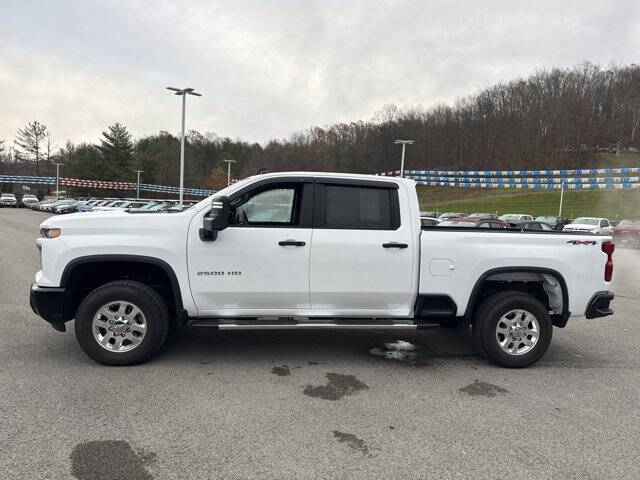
<point x="608" y="248"/>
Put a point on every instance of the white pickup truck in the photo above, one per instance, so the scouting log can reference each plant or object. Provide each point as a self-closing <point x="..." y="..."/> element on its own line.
<point x="312" y="251"/>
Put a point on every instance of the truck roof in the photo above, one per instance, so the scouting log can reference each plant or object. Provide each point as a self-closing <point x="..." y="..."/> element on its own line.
<point x="355" y="176"/>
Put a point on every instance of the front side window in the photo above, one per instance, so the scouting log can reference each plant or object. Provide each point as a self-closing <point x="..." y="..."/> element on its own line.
<point x="358" y="208"/>
<point x="267" y="207"/>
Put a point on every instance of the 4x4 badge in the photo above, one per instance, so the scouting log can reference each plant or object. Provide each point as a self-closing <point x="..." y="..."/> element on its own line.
<point x="582" y="242"/>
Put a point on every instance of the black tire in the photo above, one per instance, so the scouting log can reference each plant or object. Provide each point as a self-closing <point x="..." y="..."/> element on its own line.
<point x="146" y="299"/>
<point x="486" y="320"/>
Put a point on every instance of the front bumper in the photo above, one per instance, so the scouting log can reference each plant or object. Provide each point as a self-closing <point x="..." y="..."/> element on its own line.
<point x="599" y="305"/>
<point x="48" y="303"/>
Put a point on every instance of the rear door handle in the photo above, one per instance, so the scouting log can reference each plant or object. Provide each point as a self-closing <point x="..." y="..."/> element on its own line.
<point x="394" y="245"/>
<point x="289" y="242"/>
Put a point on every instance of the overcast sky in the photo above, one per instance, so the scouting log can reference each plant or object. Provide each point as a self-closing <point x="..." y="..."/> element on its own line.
<point x="267" y="68"/>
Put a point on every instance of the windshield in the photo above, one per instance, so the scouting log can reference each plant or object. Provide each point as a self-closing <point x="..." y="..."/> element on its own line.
<point x="546" y="219"/>
<point x="586" y="221"/>
<point x="629" y="223"/>
<point x="457" y="223"/>
<point x="8" y="195"/>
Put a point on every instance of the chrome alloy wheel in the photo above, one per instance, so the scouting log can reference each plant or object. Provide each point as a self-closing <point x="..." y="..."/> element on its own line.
<point x="517" y="332"/>
<point x="119" y="326"/>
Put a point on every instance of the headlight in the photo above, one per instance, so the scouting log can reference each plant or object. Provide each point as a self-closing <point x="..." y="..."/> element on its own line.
<point x="50" y="232"/>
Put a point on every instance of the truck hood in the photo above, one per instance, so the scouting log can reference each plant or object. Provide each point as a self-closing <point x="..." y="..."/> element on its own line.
<point x="117" y="222"/>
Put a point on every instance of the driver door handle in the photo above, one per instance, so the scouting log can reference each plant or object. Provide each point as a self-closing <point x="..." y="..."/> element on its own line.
<point x="289" y="242"/>
<point x="394" y="245"/>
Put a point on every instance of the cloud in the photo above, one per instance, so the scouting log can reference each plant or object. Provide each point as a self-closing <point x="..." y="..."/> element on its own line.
<point x="268" y="68"/>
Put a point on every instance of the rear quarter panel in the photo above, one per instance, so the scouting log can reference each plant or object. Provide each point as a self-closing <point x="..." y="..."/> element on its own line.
<point x="469" y="254"/>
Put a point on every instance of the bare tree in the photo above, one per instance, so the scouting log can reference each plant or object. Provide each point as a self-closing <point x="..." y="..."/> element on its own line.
<point x="28" y="142"/>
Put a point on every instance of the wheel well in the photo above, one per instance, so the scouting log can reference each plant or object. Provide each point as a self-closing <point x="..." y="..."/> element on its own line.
<point x="547" y="286"/>
<point x="82" y="278"/>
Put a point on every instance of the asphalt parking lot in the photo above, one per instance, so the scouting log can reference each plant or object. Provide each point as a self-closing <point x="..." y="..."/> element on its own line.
<point x="314" y="405"/>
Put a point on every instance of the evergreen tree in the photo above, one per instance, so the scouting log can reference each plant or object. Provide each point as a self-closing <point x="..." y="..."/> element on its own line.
<point x="117" y="151"/>
<point x="28" y="142"/>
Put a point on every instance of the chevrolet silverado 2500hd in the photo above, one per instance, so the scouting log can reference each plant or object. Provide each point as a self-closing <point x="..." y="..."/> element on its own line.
<point x="312" y="251"/>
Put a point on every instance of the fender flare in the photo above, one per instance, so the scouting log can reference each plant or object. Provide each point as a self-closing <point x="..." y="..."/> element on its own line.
<point x="559" y="321"/>
<point x="173" y="279"/>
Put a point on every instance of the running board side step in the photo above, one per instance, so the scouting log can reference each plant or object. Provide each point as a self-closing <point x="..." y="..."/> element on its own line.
<point x="308" y="324"/>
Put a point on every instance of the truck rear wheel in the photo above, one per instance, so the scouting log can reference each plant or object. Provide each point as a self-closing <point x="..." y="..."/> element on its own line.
<point x="122" y="323"/>
<point x="512" y="329"/>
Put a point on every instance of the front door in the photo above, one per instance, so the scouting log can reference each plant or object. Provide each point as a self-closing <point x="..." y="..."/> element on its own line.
<point x="260" y="262"/>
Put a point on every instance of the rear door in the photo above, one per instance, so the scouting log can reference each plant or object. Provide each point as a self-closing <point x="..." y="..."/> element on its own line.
<point x="362" y="256"/>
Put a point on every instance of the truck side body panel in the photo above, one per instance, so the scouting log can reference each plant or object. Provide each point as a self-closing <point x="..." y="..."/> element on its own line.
<point x="454" y="260"/>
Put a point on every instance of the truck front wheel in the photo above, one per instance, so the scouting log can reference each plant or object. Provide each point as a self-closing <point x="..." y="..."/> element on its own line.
<point x="512" y="329"/>
<point x="122" y="323"/>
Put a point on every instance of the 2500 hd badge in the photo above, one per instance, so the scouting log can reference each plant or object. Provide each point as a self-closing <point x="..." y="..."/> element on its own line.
<point x="219" y="273"/>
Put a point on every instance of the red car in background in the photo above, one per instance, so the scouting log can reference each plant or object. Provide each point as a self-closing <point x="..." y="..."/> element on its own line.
<point x="627" y="233"/>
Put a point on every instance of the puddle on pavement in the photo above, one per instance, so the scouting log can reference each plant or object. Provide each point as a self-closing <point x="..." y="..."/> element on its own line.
<point x="282" y="371"/>
<point x="353" y="442"/>
<point x="402" y="351"/>
<point x="483" y="389"/>
<point x="338" y="386"/>
<point x="108" y="460"/>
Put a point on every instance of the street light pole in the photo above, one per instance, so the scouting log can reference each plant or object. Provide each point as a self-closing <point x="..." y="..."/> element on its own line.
<point x="229" y="162"/>
<point x="404" y="144"/>
<point x="183" y="92"/>
<point x="138" y="187"/>
<point x="58" y="165"/>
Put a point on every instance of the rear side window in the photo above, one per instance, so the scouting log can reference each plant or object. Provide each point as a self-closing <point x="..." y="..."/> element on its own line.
<point x="360" y="208"/>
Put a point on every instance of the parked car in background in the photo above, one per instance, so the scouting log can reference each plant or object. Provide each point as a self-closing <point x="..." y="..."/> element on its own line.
<point x="429" y="214"/>
<point x="154" y="206"/>
<point x="473" y="222"/>
<point x="515" y="217"/>
<point x="66" y="206"/>
<point x="27" y="200"/>
<point x="485" y="216"/>
<point x="119" y="205"/>
<point x="448" y="215"/>
<point x="557" y="223"/>
<point x="53" y="206"/>
<point x="533" y="225"/>
<point x="8" y="200"/>
<point x="86" y="205"/>
<point x="627" y="233"/>
<point x="36" y="206"/>
<point x="590" y="225"/>
<point x="428" y="221"/>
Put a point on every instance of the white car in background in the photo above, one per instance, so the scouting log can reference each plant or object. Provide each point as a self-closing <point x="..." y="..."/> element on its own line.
<point x="590" y="225"/>
<point x="28" y="199"/>
<point x="515" y="218"/>
<point x="8" y="200"/>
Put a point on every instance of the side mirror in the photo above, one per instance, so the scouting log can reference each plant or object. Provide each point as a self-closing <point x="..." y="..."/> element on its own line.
<point x="216" y="220"/>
